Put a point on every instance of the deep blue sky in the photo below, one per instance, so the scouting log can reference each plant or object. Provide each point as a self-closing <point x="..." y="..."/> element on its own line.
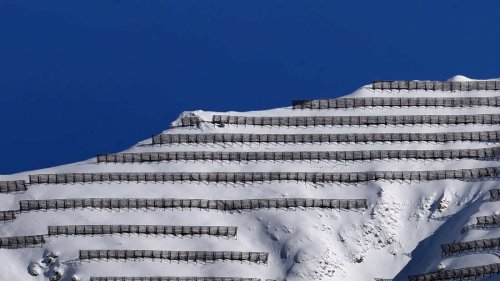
<point x="84" y="77"/>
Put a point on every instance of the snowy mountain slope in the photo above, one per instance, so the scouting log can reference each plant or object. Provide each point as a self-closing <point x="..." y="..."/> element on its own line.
<point x="397" y="235"/>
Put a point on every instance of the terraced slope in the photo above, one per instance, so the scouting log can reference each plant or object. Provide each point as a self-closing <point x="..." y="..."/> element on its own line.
<point x="398" y="180"/>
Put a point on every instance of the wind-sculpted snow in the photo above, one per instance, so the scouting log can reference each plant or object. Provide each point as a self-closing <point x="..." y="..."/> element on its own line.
<point x="397" y="181"/>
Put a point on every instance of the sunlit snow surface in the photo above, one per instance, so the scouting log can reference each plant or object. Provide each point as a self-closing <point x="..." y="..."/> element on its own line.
<point x="400" y="234"/>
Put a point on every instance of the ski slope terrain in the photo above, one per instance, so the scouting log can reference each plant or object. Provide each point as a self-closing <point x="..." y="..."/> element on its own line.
<point x="396" y="181"/>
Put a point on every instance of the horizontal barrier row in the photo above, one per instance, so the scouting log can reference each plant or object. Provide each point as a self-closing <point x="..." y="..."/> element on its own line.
<point x="395" y="102"/>
<point x="172" y="278"/>
<point x="488" y="220"/>
<point x="437" y="85"/>
<point x="190" y="121"/>
<point x="479" y="153"/>
<point x="305" y="121"/>
<point x="466" y="273"/>
<point x="494" y="194"/>
<point x="17" y="242"/>
<point x="470" y="246"/>
<point x="186" y="256"/>
<point x="227" y="231"/>
<point x="7" y="216"/>
<point x="325" y="138"/>
<point x="167" y="203"/>
<point x="243" y="177"/>
<point x="12" y="186"/>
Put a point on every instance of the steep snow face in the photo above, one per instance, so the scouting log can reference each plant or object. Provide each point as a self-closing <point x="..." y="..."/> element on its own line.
<point x="398" y="234"/>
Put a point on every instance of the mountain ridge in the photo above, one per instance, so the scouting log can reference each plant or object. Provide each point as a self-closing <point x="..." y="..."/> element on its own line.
<point x="397" y="234"/>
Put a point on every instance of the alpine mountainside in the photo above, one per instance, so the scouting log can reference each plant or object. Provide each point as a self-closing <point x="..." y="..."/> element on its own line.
<point x="398" y="180"/>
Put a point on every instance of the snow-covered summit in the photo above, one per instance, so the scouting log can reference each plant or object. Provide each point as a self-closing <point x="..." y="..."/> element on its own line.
<point x="461" y="78"/>
<point x="388" y="182"/>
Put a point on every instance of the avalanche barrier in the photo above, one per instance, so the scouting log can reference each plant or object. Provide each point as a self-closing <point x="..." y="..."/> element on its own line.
<point x="172" y="278"/>
<point x="486" y="221"/>
<point x="17" y="242"/>
<point x="306" y="121"/>
<point x="470" y="246"/>
<point x="478" y="153"/>
<point x="395" y="102"/>
<point x="466" y="273"/>
<point x="445" y="86"/>
<point x="243" y="177"/>
<point x="6" y="216"/>
<point x="494" y="194"/>
<point x="12" y="186"/>
<point x="226" y="231"/>
<point x="492" y="136"/>
<point x="186" y="256"/>
<point x="170" y="203"/>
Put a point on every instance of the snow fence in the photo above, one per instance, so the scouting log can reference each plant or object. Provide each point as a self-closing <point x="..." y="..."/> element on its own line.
<point x="12" y="186"/>
<point x="306" y="121"/>
<point x="395" y="102"/>
<point x="244" y="177"/>
<point x="226" y="231"/>
<point x="494" y="194"/>
<point x="185" y="256"/>
<point x="6" y="216"/>
<point x="324" y="138"/>
<point x="478" y="153"/>
<point x="172" y="278"/>
<point x="445" y="86"/>
<point x="486" y="221"/>
<point x="470" y="246"/>
<point x="17" y="242"/>
<point x="170" y="203"/>
<point x="466" y="273"/>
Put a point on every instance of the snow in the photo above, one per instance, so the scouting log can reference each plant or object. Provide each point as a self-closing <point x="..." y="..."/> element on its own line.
<point x="398" y="235"/>
<point x="460" y="78"/>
